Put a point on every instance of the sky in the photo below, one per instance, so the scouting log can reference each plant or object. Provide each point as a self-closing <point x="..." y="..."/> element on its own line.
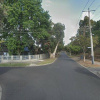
<point x="69" y="12"/>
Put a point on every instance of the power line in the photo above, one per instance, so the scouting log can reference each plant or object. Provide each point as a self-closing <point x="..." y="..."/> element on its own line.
<point x="95" y="11"/>
<point x="91" y="3"/>
<point x="97" y="7"/>
<point x="81" y="12"/>
<point x="98" y="17"/>
<point x="85" y="7"/>
<point x="86" y="4"/>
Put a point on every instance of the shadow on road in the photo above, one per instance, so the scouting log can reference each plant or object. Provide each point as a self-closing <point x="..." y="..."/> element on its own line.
<point x="86" y="72"/>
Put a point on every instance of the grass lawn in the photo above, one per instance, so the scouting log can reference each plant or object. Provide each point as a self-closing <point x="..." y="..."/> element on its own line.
<point x="14" y="64"/>
<point x="47" y="61"/>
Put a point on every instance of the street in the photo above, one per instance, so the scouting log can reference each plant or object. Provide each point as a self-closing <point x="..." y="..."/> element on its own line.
<point x="62" y="80"/>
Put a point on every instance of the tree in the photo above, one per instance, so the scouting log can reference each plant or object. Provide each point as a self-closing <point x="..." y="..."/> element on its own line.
<point x="26" y="20"/>
<point x="82" y="42"/>
<point x="2" y="14"/>
<point x="58" y="34"/>
<point x="84" y="26"/>
<point x="96" y="30"/>
<point x="83" y="37"/>
<point x="60" y="47"/>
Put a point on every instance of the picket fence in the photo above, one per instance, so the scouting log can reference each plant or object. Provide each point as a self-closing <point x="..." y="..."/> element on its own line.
<point x="23" y="58"/>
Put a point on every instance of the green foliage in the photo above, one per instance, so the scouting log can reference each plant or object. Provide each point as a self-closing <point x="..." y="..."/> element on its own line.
<point x="75" y="49"/>
<point x="1" y="15"/>
<point x="84" y="42"/>
<point x="96" y="30"/>
<point x="83" y="39"/>
<point x="42" y="34"/>
<point x="58" y="31"/>
<point x="28" y="22"/>
<point x="80" y="44"/>
<point x="58" y="35"/>
<point x="60" y="47"/>
<point x="15" y="46"/>
<point x="85" y="22"/>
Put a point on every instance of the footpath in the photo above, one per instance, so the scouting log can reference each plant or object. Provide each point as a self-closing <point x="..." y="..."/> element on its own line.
<point x="94" y="68"/>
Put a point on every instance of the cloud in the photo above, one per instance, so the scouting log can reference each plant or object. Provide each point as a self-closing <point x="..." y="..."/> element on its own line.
<point x="63" y="12"/>
<point x="86" y="14"/>
<point x="48" y="3"/>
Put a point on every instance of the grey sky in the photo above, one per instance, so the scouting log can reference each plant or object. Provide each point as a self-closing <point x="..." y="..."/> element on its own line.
<point x="68" y="12"/>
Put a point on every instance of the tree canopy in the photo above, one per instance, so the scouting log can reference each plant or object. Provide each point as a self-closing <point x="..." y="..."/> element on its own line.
<point x="27" y="24"/>
<point x="81" y="41"/>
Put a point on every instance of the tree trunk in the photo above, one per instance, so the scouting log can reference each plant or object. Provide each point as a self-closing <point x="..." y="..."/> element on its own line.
<point x="70" y="53"/>
<point x="52" y="55"/>
<point x="84" y="56"/>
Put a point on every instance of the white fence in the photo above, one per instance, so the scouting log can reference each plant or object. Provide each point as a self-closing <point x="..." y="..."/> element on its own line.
<point x="22" y="58"/>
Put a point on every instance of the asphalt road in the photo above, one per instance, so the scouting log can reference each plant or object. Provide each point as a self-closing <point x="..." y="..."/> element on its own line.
<point x="62" y="80"/>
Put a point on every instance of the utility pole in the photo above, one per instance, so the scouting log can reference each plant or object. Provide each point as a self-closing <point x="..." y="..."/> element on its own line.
<point x="92" y="51"/>
<point x="91" y="39"/>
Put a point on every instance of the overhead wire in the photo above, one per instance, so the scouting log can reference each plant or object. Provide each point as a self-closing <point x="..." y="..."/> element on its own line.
<point x="95" y="11"/>
<point x="98" y="17"/>
<point x="85" y="7"/>
<point x="81" y="12"/>
<point x="91" y="3"/>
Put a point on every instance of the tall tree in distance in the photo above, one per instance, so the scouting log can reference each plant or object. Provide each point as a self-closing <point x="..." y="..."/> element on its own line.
<point x="58" y="33"/>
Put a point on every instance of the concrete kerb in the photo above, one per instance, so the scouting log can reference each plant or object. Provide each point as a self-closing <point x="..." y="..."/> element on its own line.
<point x="94" y="72"/>
<point x="0" y="92"/>
<point x="43" y="64"/>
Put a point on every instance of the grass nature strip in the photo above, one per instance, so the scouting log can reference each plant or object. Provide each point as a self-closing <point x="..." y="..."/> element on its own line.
<point x="47" y="61"/>
<point x="18" y="64"/>
<point x="14" y="64"/>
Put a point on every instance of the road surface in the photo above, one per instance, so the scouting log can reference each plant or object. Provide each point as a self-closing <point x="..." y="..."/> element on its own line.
<point x="62" y="80"/>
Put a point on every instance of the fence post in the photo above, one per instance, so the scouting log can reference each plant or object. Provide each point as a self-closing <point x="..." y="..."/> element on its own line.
<point x="29" y="57"/>
<point x="2" y="58"/>
<point x="39" y="56"/>
<point x="12" y="58"/>
<point x="20" y="57"/>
